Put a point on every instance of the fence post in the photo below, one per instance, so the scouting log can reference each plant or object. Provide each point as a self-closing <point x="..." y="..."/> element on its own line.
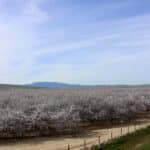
<point x="138" y="127"/>
<point x="68" y="147"/>
<point x="111" y="135"/>
<point x="121" y="131"/>
<point x="99" y="140"/>
<point x="128" y="129"/>
<point x="134" y="127"/>
<point x="84" y="144"/>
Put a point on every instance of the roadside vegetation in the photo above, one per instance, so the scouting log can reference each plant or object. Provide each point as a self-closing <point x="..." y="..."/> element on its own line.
<point x="44" y="112"/>
<point x="140" y="140"/>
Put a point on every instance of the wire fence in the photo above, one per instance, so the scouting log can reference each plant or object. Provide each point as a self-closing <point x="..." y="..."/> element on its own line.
<point x="110" y="134"/>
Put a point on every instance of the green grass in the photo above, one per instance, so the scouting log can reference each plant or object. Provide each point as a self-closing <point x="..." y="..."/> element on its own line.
<point x="140" y="140"/>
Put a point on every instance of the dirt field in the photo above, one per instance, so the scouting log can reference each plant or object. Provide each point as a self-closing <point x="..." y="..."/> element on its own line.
<point x="76" y="143"/>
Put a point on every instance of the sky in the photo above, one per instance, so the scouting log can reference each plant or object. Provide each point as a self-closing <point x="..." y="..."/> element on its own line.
<point x="75" y="41"/>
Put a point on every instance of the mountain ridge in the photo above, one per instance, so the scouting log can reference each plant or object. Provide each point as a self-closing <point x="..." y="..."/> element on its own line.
<point x="53" y="85"/>
<point x="69" y="85"/>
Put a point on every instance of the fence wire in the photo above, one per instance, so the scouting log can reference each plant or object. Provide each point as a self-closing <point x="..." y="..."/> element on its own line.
<point x="101" y="139"/>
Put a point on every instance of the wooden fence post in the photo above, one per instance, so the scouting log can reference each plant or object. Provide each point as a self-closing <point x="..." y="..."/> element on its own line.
<point x="128" y="129"/>
<point x="134" y="127"/>
<point x="84" y="144"/>
<point x="68" y="147"/>
<point x="111" y="135"/>
<point x="99" y="140"/>
<point x="137" y="127"/>
<point x="121" y="131"/>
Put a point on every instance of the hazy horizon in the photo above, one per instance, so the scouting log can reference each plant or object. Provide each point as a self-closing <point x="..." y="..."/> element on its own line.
<point x="69" y="83"/>
<point x="79" y="42"/>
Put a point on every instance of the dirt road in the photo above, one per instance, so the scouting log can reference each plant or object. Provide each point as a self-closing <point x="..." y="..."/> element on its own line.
<point x="75" y="143"/>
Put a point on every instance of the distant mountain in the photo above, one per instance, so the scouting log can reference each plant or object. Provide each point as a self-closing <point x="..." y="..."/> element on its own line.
<point x="66" y="85"/>
<point x="52" y="85"/>
<point x="36" y="85"/>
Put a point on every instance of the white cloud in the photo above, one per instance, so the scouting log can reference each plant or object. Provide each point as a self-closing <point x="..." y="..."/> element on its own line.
<point x="28" y="34"/>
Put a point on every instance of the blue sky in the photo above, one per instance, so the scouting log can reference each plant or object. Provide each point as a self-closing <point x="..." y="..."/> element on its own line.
<point x="74" y="41"/>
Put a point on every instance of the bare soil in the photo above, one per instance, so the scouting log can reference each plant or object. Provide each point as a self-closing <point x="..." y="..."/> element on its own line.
<point x="76" y="143"/>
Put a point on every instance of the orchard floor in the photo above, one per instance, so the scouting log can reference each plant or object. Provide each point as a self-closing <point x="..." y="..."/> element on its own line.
<point x="75" y="143"/>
